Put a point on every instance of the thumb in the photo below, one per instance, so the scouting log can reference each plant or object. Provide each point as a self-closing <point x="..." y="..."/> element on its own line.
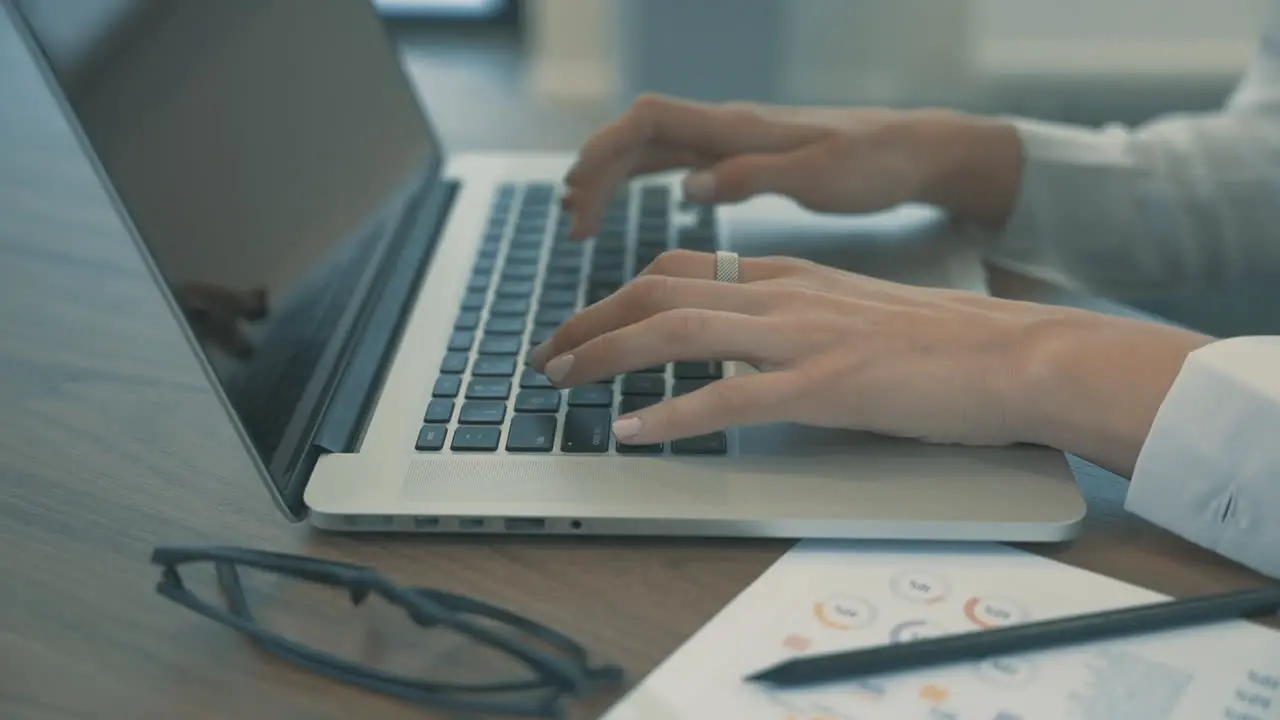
<point x="744" y="176"/>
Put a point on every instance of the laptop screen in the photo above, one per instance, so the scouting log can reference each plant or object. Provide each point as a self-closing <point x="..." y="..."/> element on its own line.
<point x="261" y="148"/>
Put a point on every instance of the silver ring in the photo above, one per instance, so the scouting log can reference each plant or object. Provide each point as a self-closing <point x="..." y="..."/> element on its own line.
<point x="727" y="266"/>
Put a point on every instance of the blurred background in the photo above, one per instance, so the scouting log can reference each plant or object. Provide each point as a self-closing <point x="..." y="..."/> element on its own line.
<point x="542" y="74"/>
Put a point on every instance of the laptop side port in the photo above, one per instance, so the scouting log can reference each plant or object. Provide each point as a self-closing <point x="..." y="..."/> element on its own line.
<point x="524" y="524"/>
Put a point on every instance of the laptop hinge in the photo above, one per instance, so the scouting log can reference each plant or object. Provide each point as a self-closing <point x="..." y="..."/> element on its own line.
<point x="376" y="340"/>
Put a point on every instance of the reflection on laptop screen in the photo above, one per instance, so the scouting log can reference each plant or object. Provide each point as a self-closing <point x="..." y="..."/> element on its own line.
<point x="261" y="148"/>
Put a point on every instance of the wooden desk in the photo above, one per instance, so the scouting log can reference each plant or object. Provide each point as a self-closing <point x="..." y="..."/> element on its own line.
<point x="111" y="444"/>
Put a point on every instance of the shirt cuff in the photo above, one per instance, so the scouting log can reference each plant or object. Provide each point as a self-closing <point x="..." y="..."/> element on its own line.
<point x="1077" y="190"/>
<point x="1208" y="470"/>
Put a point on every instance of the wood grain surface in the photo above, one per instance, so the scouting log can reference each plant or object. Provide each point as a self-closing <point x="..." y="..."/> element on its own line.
<point x="111" y="444"/>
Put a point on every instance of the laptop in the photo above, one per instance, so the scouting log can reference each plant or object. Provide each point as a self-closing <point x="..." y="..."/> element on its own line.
<point x="362" y="301"/>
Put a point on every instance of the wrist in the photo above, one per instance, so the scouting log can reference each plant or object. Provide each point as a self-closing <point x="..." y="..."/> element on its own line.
<point x="972" y="164"/>
<point x="1090" y="384"/>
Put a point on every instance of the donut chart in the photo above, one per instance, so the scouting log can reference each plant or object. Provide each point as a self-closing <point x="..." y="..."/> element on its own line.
<point x="844" y="612"/>
<point x="993" y="612"/>
<point x="920" y="587"/>
<point x="913" y="630"/>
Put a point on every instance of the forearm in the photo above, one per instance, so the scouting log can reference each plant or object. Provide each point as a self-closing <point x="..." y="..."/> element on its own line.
<point x="1091" y="385"/>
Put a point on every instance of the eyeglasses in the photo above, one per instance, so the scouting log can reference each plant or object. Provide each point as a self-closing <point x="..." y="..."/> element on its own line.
<point x="560" y="666"/>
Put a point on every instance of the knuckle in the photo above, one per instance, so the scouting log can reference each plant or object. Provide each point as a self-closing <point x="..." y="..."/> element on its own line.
<point x="670" y="260"/>
<point x="681" y="326"/>
<point x="648" y="291"/>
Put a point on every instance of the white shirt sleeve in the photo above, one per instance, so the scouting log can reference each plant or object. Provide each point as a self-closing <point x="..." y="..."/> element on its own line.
<point x="1210" y="468"/>
<point x="1185" y="201"/>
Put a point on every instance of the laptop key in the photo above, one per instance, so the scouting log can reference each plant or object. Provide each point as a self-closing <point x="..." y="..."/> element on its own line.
<point x="500" y="345"/>
<point x="431" y="438"/>
<point x="505" y="325"/>
<point x="531" y="378"/>
<point x="531" y="433"/>
<point x="558" y="299"/>
<point x="476" y="439"/>
<point x="625" y="449"/>
<point x="684" y="386"/>
<point x="454" y="362"/>
<point x="586" y="430"/>
<point x="447" y="386"/>
<point x="553" y="316"/>
<point x="473" y="301"/>
<point x="715" y="443"/>
<point x="439" y="411"/>
<point x="467" y="320"/>
<point x="483" y="412"/>
<point x="488" y="389"/>
<point x="510" y="306"/>
<point x="702" y="369"/>
<point x="538" y="400"/>
<point x="494" y="366"/>
<point x="461" y="340"/>
<point x="591" y="396"/>
<point x="541" y="334"/>
<point x="644" y="384"/>
<point x="636" y="403"/>
<point x="515" y="288"/>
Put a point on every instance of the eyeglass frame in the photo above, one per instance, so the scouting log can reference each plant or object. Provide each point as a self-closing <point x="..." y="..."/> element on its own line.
<point x="426" y="607"/>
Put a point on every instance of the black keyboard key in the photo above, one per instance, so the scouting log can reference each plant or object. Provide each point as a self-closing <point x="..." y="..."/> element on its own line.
<point x="461" y="340"/>
<point x="494" y="366"/>
<point x="531" y="433"/>
<point x="531" y="378"/>
<point x="454" y="362"/>
<point x="522" y="258"/>
<point x="538" y="401"/>
<point x="478" y="283"/>
<point x="500" y="345"/>
<point x="561" y="280"/>
<point x="488" y="389"/>
<point x="515" y="288"/>
<point x="519" y="272"/>
<point x="473" y="301"/>
<point x="703" y="369"/>
<point x="431" y="438"/>
<point x="636" y="403"/>
<point x="482" y="412"/>
<point x="644" y="384"/>
<point x="483" y="266"/>
<point x="591" y="396"/>
<point x="553" y="316"/>
<point x="586" y="430"/>
<point x="439" y="411"/>
<point x="541" y="334"/>
<point x="447" y="386"/>
<point x="625" y="449"/>
<point x="505" y="325"/>
<point x="684" y="386"/>
<point x="715" y="443"/>
<point x="558" y="299"/>
<point x="656" y="369"/>
<point x="467" y="320"/>
<point x="510" y="306"/>
<point x="476" y="439"/>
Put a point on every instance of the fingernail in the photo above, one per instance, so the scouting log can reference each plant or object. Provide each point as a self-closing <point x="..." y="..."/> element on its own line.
<point x="558" y="368"/>
<point x="626" y="427"/>
<point x="700" y="187"/>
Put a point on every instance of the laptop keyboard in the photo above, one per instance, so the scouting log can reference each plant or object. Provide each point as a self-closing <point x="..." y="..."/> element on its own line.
<point x="527" y="279"/>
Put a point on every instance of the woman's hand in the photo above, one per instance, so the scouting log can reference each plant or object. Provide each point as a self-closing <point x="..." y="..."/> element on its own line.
<point x="829" y="160"/>
<point x="836" y="349"/>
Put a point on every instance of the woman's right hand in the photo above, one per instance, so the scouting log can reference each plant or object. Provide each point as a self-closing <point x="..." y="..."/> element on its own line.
<point x="834" y="160"/>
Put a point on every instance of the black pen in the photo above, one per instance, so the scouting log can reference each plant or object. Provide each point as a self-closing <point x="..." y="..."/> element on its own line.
<point x="1017" y="639"/>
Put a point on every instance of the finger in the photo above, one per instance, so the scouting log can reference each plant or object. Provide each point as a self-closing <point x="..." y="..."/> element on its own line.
<point x="702" y="266"/>
<point x="732" y="402"/>
<point x="673" y="336"/>
<point x="738" y="178"/>
<point x="644" y="298"/>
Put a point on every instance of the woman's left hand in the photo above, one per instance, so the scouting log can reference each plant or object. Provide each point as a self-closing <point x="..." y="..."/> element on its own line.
<point x="837" y="349"/>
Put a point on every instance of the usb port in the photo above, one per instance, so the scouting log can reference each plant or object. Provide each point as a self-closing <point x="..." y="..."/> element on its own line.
<point x="426" y="523"/>
<point x="525" y="524"/>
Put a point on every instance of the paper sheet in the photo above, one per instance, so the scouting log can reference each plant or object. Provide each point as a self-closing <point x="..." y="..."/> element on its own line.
<point x="826" y="596"/>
